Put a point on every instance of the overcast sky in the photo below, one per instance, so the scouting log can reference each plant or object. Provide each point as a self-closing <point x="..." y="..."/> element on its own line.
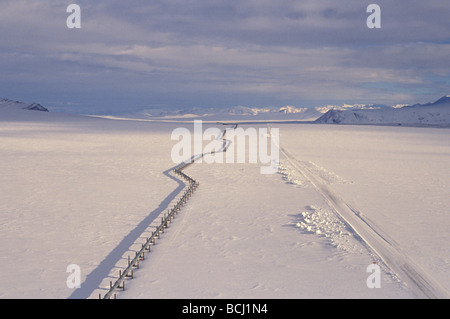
<point x="130" y="55"/>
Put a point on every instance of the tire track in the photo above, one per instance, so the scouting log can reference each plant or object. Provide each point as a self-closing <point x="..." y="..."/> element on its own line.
<point x="387" y="249"/>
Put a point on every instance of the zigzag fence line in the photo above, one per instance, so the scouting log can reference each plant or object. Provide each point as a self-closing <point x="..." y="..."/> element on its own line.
<point x="140" y="255"/>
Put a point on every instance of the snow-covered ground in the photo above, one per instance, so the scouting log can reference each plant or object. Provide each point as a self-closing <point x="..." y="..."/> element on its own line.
<point x="87" y="191"/>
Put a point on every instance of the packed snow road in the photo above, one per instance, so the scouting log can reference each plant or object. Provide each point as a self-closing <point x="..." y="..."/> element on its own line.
<point x="420" y="282"/>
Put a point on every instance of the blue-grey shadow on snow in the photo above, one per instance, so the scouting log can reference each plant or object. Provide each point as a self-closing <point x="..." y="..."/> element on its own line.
<point x="94" y="279"/>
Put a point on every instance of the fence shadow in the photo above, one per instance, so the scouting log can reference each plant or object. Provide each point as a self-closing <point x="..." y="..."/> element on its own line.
<point x="94" y="279"/>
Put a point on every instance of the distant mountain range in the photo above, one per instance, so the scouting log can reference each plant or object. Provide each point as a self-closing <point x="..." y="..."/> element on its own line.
<point x="10" y="104"/>
<point x="430" y="114"/>
<point x="248" y="113"/>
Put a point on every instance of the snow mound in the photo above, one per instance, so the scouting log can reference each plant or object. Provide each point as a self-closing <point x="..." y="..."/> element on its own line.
<point x="292" y="176"/>
<point x="325" y="223"/>
<point x="10" y="104"/>
<point x="430" y="114"/>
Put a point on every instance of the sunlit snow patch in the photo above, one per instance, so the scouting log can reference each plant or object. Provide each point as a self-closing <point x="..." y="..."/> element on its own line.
<point x="291" y="176"/>
<point x="324" y="223"/>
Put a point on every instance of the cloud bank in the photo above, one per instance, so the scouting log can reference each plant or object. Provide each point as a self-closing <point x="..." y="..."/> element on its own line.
<point x="171" y="53"/>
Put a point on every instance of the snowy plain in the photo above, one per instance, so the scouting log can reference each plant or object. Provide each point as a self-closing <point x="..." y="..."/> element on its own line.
<point x="87" y="191"/>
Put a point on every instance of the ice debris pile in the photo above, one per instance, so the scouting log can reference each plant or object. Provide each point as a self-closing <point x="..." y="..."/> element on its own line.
<point x="325" y="223"/>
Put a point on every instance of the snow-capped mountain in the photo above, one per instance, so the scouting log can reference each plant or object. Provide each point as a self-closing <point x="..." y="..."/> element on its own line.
<point x="10" y="104"/>
<point x="235" y="112"/>
<point x="443" y="100"/>
<point x="435" y="113"/>
<point x="249" y="113"/>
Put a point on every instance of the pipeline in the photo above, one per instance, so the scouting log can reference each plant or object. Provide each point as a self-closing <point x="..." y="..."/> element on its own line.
<point x="140" y="255"/>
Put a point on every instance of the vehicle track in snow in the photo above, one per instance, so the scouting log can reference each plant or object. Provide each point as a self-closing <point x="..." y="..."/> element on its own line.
<point x="421" y="284"/>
